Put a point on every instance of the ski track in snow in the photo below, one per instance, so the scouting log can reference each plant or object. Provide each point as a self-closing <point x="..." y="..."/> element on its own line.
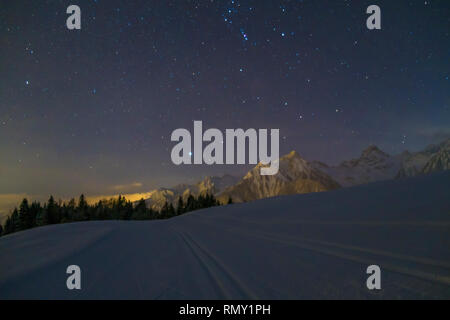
<point x="217" y="271"/>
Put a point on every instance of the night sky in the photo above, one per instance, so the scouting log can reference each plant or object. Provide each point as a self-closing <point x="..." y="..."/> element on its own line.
<point x="92" y="110"/>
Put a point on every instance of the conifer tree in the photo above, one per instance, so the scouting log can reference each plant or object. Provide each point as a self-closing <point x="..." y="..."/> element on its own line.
<point x="70" y="210"/>
<point x="180" y="206"/>
<point x="81" y="210"/>
<point x="164" y="210"/>
<point x="127" y="210"/>
<point x="42" y="217"/>
<point x="171" y="211"/>
<point x="34" y="210"/>
<point x="24" y="218"/>
<point x="8" y="226"/>
<point x="190" y="203"/>
<point x="60" y="212"/>
<point x="140" y="211"/>
<point x="15" y="221"/>
<point x="52" y="211"/>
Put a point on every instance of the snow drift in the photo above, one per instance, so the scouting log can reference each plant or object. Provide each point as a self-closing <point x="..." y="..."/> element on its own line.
<point x="314" y="245"/>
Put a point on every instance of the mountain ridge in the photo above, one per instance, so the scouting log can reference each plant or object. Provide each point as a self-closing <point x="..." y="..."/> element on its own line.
<point x="297" y="175"/>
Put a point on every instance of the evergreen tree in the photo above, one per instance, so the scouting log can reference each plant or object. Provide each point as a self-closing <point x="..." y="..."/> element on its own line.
<point x="81" y="211"/>
<point x="118" y="207"/>
<point x="82" y="203"/>
<point x="15" y="221"/>
<point x="71" y="207"/>
<point x="127" y="210"/>
<point x="52" y="211"/>
<point x="164" y="210"/>
<point x="100" y="211"/>
<point x="8" y="226"/>
<point x="170" y="211"/>
<point x="42" y="217"/>
<point x="60" y="212"/>
<point x="140" y="211"/>
<point x="200" y="202"/>
<point x="24" y="215"/>
<point x="64" y="213"/>
<point x="190" y="203"/>
<point x="230" y="200"/>
<point x="33" y="212"/>
<point x="180" y="206"/>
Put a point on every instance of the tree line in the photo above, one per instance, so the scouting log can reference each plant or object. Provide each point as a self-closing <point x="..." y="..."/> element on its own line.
<point x="32" y="215"/>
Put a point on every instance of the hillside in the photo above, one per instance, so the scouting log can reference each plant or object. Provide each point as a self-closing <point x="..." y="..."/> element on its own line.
<point x="314" y="246"/>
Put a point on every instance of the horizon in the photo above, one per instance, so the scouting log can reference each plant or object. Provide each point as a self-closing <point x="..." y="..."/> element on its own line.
<point x="145" y="193"/>
<point x="91" y="110"/>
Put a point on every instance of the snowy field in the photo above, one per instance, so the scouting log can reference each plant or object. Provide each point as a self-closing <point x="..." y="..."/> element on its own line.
<point x="313" y="246"/>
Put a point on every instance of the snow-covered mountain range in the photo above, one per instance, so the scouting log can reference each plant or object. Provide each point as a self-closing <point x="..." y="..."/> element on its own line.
<point x="209" y="185"/>
<point x="372" y="165"/>
<point x="296" y="175"/>
<point x="433" y="158"/>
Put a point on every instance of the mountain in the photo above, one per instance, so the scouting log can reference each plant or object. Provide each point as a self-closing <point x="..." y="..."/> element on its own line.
<point x="419" y="163"/>
<point x="376" y="165"/>
<point x="412" y="164"/>
<point x="438" y="162"/>
<point x="295" y="176"/>
<point x="372" y="165"/>
<point x="160" y="196"/>
<point x="209" y="185"/>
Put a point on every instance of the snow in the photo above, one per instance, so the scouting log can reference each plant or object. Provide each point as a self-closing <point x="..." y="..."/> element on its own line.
<point x="315" y="246"/>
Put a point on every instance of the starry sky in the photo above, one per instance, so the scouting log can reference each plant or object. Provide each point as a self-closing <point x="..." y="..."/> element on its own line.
<point x="92" y="110"/>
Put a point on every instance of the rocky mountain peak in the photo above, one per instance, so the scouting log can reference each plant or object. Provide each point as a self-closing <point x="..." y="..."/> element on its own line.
<point x="373" y="151"/>
<point x="295" y="175"/>
<point x="291" y="155"/>
<point x="438" y="162"/>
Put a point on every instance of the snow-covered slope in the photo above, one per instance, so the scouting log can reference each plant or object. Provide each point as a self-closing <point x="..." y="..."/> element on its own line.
<point x="294" y="176"/>
<point x="316" y="245"/>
